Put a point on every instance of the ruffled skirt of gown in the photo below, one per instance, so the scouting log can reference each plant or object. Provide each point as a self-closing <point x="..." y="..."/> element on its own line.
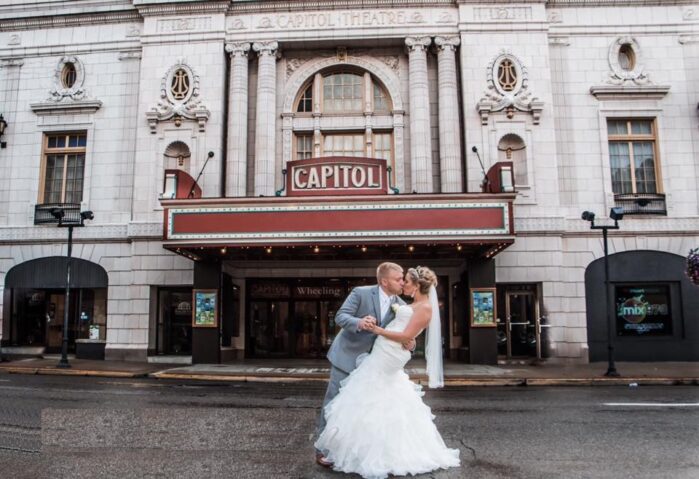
<point x="378" y="424"/>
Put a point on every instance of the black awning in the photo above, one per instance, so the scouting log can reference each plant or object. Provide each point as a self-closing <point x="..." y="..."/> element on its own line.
<point x="51" y="273"/>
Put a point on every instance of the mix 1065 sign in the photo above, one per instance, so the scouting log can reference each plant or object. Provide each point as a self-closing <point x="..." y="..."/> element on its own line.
<point x="337" y="175"/>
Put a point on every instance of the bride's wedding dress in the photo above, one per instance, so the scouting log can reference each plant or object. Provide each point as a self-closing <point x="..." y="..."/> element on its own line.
<point x="377" y="424"/>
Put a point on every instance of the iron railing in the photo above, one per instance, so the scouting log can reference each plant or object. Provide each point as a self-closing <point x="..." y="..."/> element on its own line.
<point x="49" y="213"/>
<point x="641" y="203"/>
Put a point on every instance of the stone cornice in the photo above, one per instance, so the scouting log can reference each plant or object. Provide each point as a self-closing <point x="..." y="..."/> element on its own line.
<point x="581" y="3"/>
<point x="57" y="21"/>
<point x="607" y="92"/>
<point x="269" y="6"/>
<point x="92" y="233"/>
<point x="612" y="3"/>
<point x="156" y="7"/>
<point x="66" y="107"/>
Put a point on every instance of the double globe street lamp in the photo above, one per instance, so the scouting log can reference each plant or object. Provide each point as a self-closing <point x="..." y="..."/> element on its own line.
<point x="66" y="217"/>
<point x="615" y="214"/>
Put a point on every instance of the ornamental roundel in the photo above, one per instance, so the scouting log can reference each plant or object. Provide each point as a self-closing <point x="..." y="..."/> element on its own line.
<point x="626" y="62"/>
<point x="180" y="83"/>
<point x="68" y="79"/>
<point x="508" y="89"/>
<point x="507" y="74"/>
<point x="179" y="98"/>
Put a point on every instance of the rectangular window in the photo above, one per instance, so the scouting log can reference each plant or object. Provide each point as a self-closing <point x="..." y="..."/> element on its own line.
<point x="383" y="143"/>
<point x="63" y="168"/>
<point x="632" y="156"/>
<point x="344" y="145"/>
<point x="304" y="147"/>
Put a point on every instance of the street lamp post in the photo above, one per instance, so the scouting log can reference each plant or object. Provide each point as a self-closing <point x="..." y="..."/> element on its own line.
<point x="616" y="214"/>
<point x="59" y="214"/>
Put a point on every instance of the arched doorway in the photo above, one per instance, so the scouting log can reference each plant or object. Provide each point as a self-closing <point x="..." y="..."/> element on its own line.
<point x="36" y="303"/>
<point x="655" y="308"/>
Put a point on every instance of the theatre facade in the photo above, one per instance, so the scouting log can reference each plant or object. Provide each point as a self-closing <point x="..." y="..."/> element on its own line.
<point x="249" y="162"/>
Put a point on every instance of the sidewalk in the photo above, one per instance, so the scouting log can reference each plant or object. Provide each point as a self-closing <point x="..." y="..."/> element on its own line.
<point x="293" y="370"/>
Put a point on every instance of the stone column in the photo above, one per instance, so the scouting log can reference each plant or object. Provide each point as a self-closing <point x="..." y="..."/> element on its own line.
<point x="265" y="124"/>
<point x="9" y="92"/>
<point x="449" y="126"/>
<point x="237" y="151"/>
<point x="420" y="136"/>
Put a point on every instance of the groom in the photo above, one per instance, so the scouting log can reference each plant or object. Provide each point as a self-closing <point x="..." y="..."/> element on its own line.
<point x="359" y="311"/>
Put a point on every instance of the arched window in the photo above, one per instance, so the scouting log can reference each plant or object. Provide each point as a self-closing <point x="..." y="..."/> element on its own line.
<point x="69" y="75"/>
<point x="305" y="103"/>
<point x="345" y="99"/>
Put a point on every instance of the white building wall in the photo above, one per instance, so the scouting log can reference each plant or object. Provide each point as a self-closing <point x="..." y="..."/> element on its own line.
<point x="564" y="49"/>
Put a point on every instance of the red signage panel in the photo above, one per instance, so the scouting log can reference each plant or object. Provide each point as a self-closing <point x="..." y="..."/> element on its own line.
<point x="336" y="175"/>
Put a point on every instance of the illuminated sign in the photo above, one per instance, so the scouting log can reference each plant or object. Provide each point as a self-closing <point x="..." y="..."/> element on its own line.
<point x="643" y="310"/>
<point x="337" y="175"/>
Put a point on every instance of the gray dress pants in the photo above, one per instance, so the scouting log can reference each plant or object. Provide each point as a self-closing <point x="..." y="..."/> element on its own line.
<point x="336" y="376"/>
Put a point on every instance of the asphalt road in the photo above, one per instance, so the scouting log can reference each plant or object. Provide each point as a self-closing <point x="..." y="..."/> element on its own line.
<point x="96" y="428"/>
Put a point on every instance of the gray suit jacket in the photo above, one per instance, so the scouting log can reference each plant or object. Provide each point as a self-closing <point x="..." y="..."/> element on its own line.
<point x="350" y="343"/>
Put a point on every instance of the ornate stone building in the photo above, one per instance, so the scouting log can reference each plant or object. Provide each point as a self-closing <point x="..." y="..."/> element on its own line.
<point x="248" y="162"/>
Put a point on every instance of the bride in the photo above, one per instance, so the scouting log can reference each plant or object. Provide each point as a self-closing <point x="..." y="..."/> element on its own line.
<point x="378" y="424"/>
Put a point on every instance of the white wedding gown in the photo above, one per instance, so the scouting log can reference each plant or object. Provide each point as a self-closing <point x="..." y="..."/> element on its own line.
<point x="377" y="424"/>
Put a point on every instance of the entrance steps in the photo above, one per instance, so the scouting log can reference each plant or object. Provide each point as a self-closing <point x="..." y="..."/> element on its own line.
<point x="23" y="351"/>
<point x="170" y="359"/>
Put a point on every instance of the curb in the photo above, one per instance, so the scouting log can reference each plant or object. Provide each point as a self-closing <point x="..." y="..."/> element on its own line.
<point x="448" y="382"/>
<point x="74" y="372"/>
<point x="237" y="378"/>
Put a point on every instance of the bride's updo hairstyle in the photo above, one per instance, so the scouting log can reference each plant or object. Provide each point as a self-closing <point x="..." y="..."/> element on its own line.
<point x="423" y="277"/>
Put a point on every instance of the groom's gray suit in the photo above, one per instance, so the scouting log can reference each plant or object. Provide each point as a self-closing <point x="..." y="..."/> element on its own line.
<point x="351" y="343"/>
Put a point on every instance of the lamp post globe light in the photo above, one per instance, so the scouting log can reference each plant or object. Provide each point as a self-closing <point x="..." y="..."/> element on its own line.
<point x="70" y="221"/>
<point x="616" y="214"/>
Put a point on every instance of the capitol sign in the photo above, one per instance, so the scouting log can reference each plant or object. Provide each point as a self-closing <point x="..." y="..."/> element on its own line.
<point x="337" y="175"/>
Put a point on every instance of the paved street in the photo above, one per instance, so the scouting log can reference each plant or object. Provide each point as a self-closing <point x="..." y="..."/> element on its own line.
<point x="92" y="427"/>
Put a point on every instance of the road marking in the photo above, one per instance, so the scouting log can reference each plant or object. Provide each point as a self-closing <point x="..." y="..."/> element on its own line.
<point x="652" y="404"/>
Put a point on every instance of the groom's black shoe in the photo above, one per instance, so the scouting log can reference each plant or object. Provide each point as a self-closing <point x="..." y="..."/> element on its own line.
<point x="322" y="461"/>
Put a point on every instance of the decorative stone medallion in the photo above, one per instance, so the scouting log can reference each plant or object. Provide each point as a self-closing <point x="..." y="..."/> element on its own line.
<point x="68" y="79"/>
<point x="508" y="89"/>
<point x="179" y="98"/>
<point x="626" y="63"/>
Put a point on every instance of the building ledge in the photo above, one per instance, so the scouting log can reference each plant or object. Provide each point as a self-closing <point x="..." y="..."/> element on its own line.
<point x="622" y="92"/>
<point x="68" y="107"/>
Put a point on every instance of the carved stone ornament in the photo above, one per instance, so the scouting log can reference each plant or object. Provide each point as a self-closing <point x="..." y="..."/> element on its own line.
<point x="508" y="90"/>
<point x="179" y="98"/>
<point x="75" y="91"/>
<point x="632" y="74"/>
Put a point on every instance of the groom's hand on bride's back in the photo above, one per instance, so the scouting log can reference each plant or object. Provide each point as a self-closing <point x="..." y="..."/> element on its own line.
<point x="366" y="323"/>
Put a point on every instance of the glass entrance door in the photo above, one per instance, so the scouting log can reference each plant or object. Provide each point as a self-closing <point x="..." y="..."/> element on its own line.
<point x="269" y="329"/>
<point x="313" y="327"/>
<point x="306" y="328"/>
<point x="175" y="321"/>
<point x="521" y="313"/>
